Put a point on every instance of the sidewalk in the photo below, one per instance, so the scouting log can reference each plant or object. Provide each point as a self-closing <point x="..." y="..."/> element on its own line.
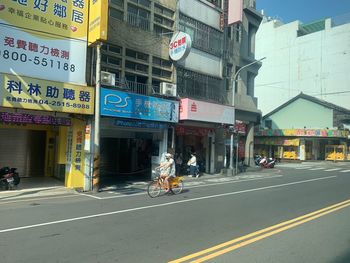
<point x="30" y="187"/>
<point x="34" y="187"/>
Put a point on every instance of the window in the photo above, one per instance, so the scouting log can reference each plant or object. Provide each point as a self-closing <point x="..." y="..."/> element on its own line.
<point x="204" y="37"/>
<point x="145" y="3"/>
<point x="139" y="17"/>
<point x="114" y="49"/>
<point x="136" y="55"/>
<point x="117" y="14"/>
<point x="164" y="11"/>
<point x="161" y="62"/>
<point x="136" y="66"/>
<point x="162" y="31"/>
<point x="160" y="20"/>
<point x="119" y="3"/>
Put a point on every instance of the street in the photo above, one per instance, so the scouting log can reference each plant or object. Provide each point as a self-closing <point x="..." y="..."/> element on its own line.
<point x="292" y="213"/>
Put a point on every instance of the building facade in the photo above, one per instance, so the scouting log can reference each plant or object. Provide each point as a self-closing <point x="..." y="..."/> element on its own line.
<point x="313" y="58"/>
<point x="304" y="128"/>
<point x="137" y="119"/>
<point x="45" y="104"/>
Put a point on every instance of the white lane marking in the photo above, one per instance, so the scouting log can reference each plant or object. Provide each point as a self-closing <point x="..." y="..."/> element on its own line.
<point x="334" y="169"/>
<point x="305" y="167"/>
<point x="158" y="205"/>
<point x="344" y="171"/>
<point x="187" y="186"/>
<point x="315" y="169"/>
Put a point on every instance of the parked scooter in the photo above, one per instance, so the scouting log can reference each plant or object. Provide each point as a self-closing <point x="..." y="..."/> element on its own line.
<point x="9" y="178"/>
<point x="267" y="162"/>
<point x="257" y="159"/>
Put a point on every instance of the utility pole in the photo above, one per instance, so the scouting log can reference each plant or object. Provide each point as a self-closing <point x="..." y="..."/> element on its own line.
<point x="96" y="143"/>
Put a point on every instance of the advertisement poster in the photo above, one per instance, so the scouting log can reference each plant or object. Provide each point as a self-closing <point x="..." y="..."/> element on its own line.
<point x="48" y="36"/>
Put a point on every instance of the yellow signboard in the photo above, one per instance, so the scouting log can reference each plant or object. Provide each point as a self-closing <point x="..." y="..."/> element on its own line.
<point x="36" y="94"/>
<point x="98" y="20"/>
<point x="66" y="18"/>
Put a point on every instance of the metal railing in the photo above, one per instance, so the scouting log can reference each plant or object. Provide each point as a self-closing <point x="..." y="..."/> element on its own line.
<point x="139" y="21"/>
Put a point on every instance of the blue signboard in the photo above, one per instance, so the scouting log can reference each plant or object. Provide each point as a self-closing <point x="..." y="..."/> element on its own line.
<point x="140" y="124"/>
<point x="120" y="104"/>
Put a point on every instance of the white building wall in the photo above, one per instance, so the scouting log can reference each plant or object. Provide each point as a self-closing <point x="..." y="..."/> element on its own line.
<point x="316" y="64"/>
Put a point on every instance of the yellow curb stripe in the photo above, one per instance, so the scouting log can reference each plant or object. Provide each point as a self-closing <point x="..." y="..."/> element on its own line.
<point x="225" y="244"/>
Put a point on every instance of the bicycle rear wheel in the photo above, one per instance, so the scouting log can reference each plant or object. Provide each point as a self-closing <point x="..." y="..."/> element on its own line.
<point x="178" y="187"/>
<point x="153" y="189"/>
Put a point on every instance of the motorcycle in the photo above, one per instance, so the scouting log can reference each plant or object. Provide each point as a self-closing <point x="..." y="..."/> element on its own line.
<point x="9" y="178"/>
<point x="257" y="159"/>
<point x="267" y="162"/>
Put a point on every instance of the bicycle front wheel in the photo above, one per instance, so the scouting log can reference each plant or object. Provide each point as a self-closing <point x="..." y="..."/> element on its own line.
<point x="153" y="189"/>
<point x="177" y="189"/>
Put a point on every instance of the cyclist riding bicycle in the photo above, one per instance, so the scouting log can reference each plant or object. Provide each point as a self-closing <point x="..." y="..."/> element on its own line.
<point x="167" y="170"/>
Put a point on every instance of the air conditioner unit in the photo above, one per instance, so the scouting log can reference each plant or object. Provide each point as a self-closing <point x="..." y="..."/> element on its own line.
<point x="168" y="89"/>
<point x="107" y="78"/>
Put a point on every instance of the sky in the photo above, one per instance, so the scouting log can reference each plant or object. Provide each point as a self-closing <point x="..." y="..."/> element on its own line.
<point x="304" y="10"/>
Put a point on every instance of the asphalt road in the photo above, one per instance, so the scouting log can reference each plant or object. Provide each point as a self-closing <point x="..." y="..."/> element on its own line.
<point x="292" y="213"/>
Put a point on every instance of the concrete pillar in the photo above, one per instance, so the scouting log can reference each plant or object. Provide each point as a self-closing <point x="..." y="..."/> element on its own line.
<point x="249" y="145"/>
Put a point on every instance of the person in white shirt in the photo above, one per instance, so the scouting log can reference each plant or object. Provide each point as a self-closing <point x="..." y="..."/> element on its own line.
<point x="167" y="170"/>
<point x="192" y="163"/>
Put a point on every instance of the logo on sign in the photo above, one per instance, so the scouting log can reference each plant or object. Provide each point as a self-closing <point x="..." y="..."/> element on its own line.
<point x="180" y="46"/>
<point x="116" y="101"/>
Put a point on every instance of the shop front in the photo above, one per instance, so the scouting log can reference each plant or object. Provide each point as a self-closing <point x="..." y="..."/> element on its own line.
<point x="302" y="144"/>
<point x="136" y="131"/>
<point x="201" y="130"/>
<point x="42" y="129"/>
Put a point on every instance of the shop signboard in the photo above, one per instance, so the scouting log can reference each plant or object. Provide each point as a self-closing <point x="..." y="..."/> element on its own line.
<point x="180" y="46"/>
<point x="98" y="20"/>
<point x="44" y="36"/>
<point x="140" y="124"/>
<point x="120" y="104"/>
<point x="36" y="94"/>
<point x="24" y="118"/>
<point x="277" y="141"/>
<point x="207" y="112"/>
<point x="303" y="133"/>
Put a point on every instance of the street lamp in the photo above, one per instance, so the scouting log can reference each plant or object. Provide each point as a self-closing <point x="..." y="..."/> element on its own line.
<point x="234" y="83"/>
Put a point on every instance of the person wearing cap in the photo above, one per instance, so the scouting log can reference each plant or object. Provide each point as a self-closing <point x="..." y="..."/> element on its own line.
<point x="167" y="170"/>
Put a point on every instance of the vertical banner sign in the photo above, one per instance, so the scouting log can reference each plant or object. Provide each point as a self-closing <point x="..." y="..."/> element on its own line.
<point x="48" y="36"/>
<point x="98" y="20"/>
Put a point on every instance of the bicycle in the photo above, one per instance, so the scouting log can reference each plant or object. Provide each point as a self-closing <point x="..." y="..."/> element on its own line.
<point x="156" y="186"/>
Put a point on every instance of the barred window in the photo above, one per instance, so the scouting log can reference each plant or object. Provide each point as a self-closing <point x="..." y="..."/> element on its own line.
<point x="200" y="86"/>
<point x="203" y="36"/>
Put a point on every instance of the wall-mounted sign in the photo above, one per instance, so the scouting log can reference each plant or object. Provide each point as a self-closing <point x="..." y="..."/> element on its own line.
<point x="277" y="141"/>
<point x="303" y="133"/>
<point x="6" y="117"/>
<point x="44" y="36"/>
<point x="35" y="94"/>
<point x="140" y="124"/>
<point x="205" y="111"/>
<point x="192" y="130"/>
<point x="98" y="20"/>
<point x="180" y="46"/>
<point x="120" y="104"/>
